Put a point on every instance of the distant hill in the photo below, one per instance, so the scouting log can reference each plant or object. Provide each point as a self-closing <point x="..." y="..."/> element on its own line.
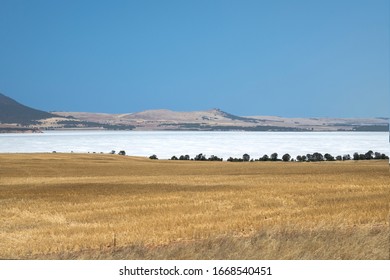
<point x="216" y="119"/>
<point x="12" y="111"/>
<point x="18" y="118"/>
<point x="162" y="119"/>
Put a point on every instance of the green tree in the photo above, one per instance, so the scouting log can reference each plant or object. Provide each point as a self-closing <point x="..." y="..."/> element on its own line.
<point x="245" y="157"/>
<point x="286" y="157"/>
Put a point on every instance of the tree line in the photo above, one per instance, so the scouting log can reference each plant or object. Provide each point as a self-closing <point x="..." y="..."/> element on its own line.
<point x="315" y="157"/>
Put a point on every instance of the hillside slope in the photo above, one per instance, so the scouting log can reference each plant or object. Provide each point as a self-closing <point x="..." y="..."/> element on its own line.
<point x="18" y="118"/>
<point x="12" y="111"/>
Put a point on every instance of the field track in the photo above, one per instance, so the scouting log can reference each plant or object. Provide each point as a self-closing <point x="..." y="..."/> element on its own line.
<point x="94" y="206"/>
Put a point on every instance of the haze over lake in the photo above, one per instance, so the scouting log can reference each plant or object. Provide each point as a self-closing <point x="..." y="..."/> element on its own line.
<point x="165" y="144"/>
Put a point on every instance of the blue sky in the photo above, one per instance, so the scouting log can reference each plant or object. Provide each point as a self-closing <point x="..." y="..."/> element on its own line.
<point x="287" y="58"/>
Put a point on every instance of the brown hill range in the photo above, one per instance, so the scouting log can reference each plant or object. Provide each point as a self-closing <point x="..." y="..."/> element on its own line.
<point x="15" y="117"/>
<point x="216" y="119"/>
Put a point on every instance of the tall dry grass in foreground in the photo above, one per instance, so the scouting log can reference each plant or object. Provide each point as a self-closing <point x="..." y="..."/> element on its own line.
<point x="112" y="207"/>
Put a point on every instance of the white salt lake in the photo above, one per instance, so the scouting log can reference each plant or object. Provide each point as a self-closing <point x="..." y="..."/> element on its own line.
<point x="165" y="144"/>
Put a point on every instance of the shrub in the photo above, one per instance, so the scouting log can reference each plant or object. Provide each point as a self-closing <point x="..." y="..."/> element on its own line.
<point x="329" y="157"/>
<point x="286" y="157"/>
<point x="186" y="157"/>
<point x="245" y="157"/>
<point x="346" y="157"/>
<point x="200" y="157"/>
<point x="215" y="158"/>
<point x="369" y="155"/>
<point x="234" y="159"/>
<point x="318" y="157"/>
<point x="264" y="158"/>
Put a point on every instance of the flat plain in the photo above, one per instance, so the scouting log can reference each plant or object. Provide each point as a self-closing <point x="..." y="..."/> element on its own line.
<point x="95" y="206"/>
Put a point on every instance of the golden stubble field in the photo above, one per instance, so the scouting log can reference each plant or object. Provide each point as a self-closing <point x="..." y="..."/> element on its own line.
<point x="93" y="206"/>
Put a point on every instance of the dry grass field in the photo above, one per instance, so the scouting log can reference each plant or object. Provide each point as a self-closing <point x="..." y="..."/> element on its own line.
<point x="92" y="206"/>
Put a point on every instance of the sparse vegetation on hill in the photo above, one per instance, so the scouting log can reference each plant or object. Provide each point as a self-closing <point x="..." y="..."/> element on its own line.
<point x="206" y="127"/>
<point x="17" y="129"/>
<point x="371" y="128"/>
<point x="86" y="124"/>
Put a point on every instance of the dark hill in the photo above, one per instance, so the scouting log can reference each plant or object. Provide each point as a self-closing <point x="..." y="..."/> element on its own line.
<point x="14" y="112"/>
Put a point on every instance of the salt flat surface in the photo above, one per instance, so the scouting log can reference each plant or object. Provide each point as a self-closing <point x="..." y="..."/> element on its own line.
<point x="165" y="144"/>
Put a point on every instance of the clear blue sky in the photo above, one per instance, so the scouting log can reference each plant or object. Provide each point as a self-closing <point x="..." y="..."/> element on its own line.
<point x="263" y="57"/>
